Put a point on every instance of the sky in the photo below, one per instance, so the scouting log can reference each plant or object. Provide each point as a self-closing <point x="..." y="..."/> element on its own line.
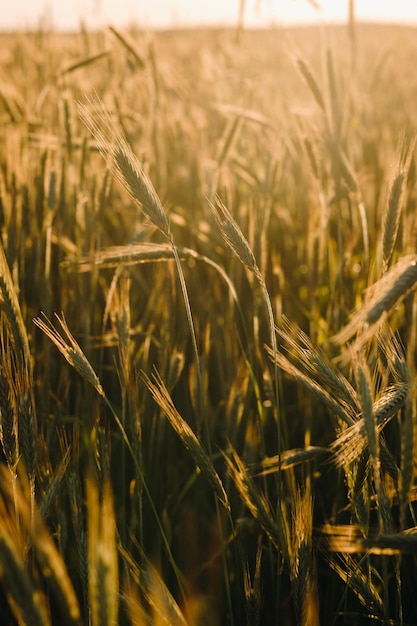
<point x="66" y="14"/>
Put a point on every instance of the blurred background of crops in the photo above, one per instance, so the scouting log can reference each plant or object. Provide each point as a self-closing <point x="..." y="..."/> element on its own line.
<point x="300" y="133"/>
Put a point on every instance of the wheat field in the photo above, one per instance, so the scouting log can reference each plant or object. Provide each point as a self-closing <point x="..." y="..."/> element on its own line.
<point x="208" y="269"/>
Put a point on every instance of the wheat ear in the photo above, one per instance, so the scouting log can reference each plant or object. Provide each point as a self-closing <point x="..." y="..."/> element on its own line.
<point x="256" y="502"/>
<point x="46" y="553"/>
<point x="395" y="202"/>
<point x="356" y="575"/>
<point x="190" y="441"/>
<point x="126" y="166"/>
<point x="156" y="598"/>
<point x="235" y="239"/>
<point x="381" y="298"/>
<point x="352" y="442"/>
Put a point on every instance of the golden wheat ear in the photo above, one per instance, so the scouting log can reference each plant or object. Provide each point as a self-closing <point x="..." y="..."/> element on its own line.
<point x="233" y="235"/>
<point x="190" y="441"/>
<point x="256" y="502"/>
<point x="126" y="166"/>
<point x="71" y="350"/>
<point x="380" y="300"/>
<point x="396" y="198"/>
<point x="146" y="596"/>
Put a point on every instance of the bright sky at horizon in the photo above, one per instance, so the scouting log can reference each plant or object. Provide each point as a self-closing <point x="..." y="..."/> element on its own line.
<point x="23" y="14"/>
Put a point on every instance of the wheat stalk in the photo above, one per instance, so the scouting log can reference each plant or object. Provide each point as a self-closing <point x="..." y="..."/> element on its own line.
<point x="339" y="408"/>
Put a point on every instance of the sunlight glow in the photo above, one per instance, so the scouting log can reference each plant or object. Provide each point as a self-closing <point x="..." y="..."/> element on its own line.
<point x="172" y="13"/>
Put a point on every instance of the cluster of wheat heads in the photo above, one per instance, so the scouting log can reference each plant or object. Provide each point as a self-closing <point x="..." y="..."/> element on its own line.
<point x="204" y="435"/>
